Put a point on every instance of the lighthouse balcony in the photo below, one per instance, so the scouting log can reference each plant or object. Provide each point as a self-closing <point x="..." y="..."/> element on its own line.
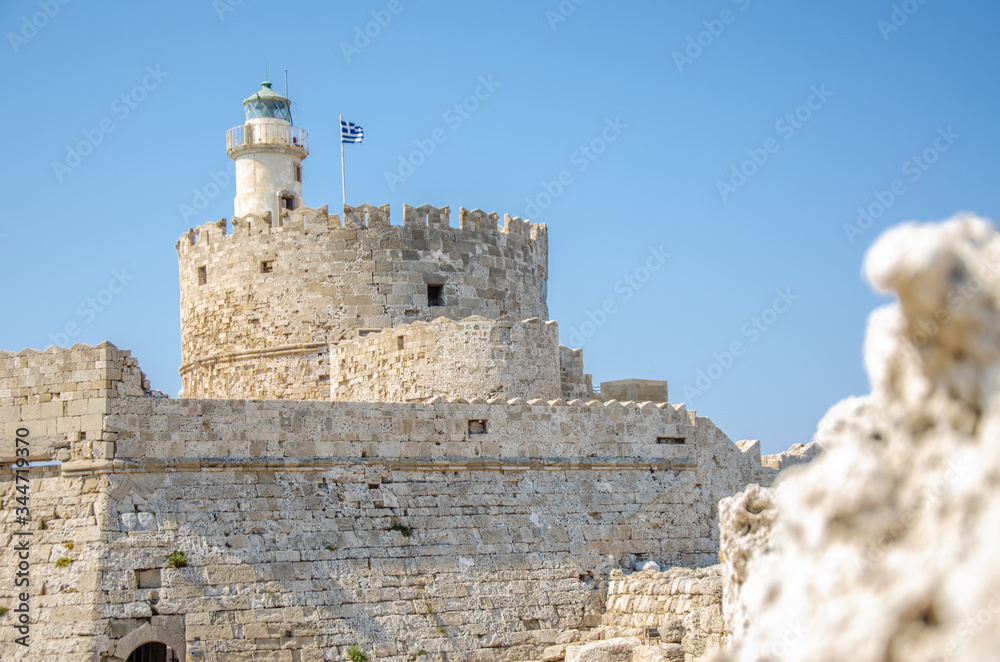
<point x="248" y="137"/>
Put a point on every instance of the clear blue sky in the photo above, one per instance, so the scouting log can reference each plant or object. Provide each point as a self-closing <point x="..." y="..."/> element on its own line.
<point x="682" y="126"/>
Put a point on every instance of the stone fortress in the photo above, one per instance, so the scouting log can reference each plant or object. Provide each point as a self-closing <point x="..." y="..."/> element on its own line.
<point x="380" y="447"/>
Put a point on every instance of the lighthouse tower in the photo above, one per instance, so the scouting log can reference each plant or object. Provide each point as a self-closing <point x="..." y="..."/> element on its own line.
<point x="268" y="151"/>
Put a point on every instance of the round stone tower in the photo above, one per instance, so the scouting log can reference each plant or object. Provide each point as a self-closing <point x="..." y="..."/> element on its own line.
<point x="268" y="151"/>
<point x="265" y="296"/>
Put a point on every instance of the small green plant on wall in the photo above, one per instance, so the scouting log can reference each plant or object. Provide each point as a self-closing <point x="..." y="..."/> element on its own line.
<point x="356" y="654"/>
<point x="64" y="562"/>
<point x="402" y="528"/>
<point x="177" y="558"/>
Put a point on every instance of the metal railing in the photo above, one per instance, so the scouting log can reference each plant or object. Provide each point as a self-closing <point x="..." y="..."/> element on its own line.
<point x="247" y="135"/>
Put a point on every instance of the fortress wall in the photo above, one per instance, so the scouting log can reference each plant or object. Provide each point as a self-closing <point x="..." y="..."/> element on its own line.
<point x="574" y="383"/>
<point x="293" y="287"/>
<point x="495" y="564"/>
<point x="291" y="372"/>
<point x="61" y="396"/>
<point x="437" y="430"/>
<point x="470" y="358"/>
<point x="285" y="511"/>
<point x="65" y="598"/>
<point x="684" y="605"/>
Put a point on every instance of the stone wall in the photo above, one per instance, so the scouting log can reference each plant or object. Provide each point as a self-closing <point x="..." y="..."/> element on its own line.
<point x="651" y="616"/>
<point x="309" y="527"/>
<point x="678" y="612"/>
<point x="683" y="605"/>
<point x="260" y="304"/>
<point x="63" y="397"/>
<point x="471" y="358"/>
<point x="65" y="558"/>
<point x="575" y="383"/>
<point x="636" y="390"/>
<point x="289" y="372"/>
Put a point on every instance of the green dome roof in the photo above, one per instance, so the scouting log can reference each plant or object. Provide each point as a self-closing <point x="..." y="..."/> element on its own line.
<point x="265" y="102"/>
<point x="265" y="92"/>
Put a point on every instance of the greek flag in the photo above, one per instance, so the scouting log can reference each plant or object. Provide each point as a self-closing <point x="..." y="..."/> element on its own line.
<point x="350" y="133"/>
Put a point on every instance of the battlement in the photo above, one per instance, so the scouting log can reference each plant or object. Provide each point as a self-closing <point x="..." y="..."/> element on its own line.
<point x="306" y="220"/>
<point x="261" y="301"/>
<point x="457" y="501"/>
<point x="86" y="397"/>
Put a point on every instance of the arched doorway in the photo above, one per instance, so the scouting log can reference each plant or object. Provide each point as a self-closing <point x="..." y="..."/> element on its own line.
<point x="153" y="651"/>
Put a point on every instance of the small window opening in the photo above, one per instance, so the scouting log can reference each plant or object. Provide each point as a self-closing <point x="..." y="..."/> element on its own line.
<point x="324" y="378"/>
<point x="434" y="295"/>
<point x="477" y="426"/>
<point x="267" y="266"/>
<point x="202" y="275"/>
<point x="288" y="202"/>
<point x="148" y="578"/>
<point x="500" y="334"/>
<point x="400" y="342"/>
<point x="298" y="173"/>
<point x="670" y="440"/>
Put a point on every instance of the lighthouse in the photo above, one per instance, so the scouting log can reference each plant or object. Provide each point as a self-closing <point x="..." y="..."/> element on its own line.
<point x="268" y="150"/>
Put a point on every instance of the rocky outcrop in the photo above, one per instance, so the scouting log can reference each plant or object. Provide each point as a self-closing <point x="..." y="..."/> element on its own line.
<point x="745" y="521"/>
<point x="884" y="549"/>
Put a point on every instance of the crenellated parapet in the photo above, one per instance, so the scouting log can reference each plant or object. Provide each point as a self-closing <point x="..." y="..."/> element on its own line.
<point x="469" y="491"/>
<point x="262" y="298"/>
<point x="216" y="234"/>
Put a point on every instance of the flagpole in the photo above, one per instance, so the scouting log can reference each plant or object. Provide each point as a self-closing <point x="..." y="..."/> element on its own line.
<point x="343" y="175"/>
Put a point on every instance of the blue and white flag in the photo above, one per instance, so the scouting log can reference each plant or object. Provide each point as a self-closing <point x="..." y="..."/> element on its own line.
<point x="350" y="133"/>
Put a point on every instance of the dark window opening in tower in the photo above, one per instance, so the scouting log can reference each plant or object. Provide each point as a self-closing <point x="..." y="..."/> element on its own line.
<point x="298" y="173"/>
<point x="202" y="275"/>
<point x="434" y="295"/>
<point x="287" y="202"/>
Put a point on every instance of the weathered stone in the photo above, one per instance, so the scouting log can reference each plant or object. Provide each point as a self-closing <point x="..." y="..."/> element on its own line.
<point x="553" y="653"/>
<point x="295" y="512"/>
<point x="607" y="650"/>
<point x="885" y="547"/>
<point x="659" y="653"/>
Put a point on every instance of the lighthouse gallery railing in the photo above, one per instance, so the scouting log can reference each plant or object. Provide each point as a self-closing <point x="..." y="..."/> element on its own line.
<point x="247" y="135"/>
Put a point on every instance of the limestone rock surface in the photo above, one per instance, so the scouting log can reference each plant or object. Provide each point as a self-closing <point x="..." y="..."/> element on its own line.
<point x="745" y="521"/>
<point x="618" y="649"/>
<point x="884" y="549"/>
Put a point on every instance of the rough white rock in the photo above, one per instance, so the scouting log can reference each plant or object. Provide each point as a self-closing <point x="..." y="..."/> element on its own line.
<point x="885" y="548"/>
<point x="618" y="649"/>
<point x="554" y="653"/>
<point x="745" y="521"/>
<point x="659" y="653"/>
